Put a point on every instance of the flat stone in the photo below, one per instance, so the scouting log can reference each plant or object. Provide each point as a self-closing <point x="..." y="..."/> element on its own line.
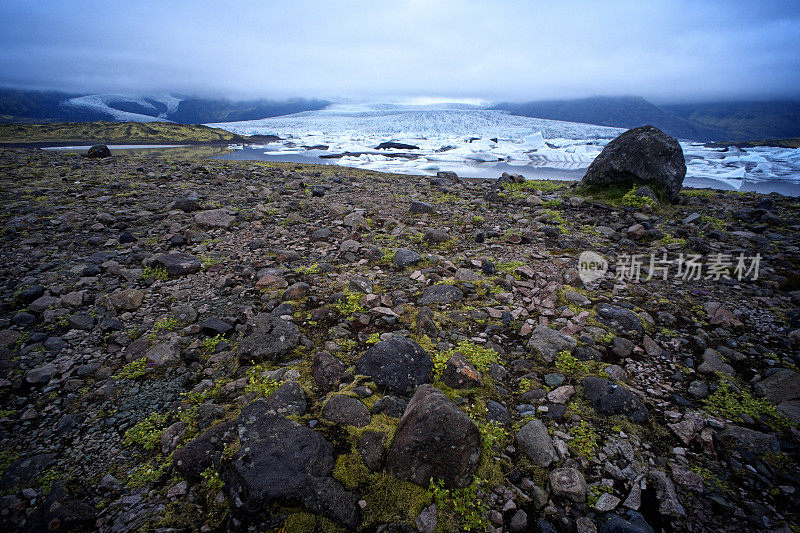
<point x="215" y="218"/>
<point x="179" y="264"/>
<point x="548" y="342"/>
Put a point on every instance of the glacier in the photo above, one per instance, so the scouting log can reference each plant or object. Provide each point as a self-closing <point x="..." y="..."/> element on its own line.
<point x="476" y="141"/>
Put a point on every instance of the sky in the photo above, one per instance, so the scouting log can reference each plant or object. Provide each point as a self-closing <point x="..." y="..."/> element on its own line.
<point x="666" y="51"/>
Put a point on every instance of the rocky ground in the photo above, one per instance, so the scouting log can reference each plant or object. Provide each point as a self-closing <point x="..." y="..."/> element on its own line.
<point x="226" y="345"/>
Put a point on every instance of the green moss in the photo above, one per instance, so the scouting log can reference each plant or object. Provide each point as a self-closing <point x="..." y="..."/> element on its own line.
<point x="595" y="491"/>
<point x="146" y="433"/>
<point x="159" y="273"/>
<point x="459" y="509"/>
<point x="150" y="472"/>
<point x="109" y="132"/>
<point x="166" y="324"/>
<point x="258" y="384"/>
<point x="133" y="370"/>
<point x="571" y="366"/>
<point x="388" y="498"/>
<point x="209" y="344"/>
<point x="630" y="199"/>
<point x="584" y="440"/>
<point x="212" y="480"/>
<point x="303" y="522"/>
<point x="668" y="239"/>
<point x="727" y="403"/>
<point x="350" y="305"/>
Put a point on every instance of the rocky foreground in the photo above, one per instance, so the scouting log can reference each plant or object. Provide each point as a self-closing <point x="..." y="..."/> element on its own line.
<point x="219" y="345"/>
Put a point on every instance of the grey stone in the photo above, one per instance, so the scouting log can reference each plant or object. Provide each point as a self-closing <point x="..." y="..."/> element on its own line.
<point x="440" y="294"/>
<point x="621" y="319"/>
<point x="548" y="342"/>
<point x="712" y="362"/>
<point x="568" y="483"/>
<point x="421" y="207"/>
<point x="346" y="410"/>
<point x="779" y="387"/>
<point x="215" y="218"/>
<point x="611" y="399"/>
<point x="404" y="257"/>
<point x="178" y="264"/>
<point x="270" y="339"/>
<point x="534" y="440"/>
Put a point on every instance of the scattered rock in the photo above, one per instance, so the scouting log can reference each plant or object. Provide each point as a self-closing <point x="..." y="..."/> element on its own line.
<point x="568" y="483"/>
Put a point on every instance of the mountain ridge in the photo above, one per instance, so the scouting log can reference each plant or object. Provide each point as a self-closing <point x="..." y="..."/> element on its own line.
<point x="712" y="121"/>
<point x="23" y="106"/>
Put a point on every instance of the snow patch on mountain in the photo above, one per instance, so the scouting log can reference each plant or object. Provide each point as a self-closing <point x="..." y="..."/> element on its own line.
<point x="103" y="103"/>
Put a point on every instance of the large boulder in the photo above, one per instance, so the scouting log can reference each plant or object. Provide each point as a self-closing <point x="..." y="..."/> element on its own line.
<point x="435" y="439"/>
<point x="642" y="155"/>
<point x="271" y="339"/>
<point x="283" y="463"/>
<point x="398" y="365"/>
<point x="98" y="151"/>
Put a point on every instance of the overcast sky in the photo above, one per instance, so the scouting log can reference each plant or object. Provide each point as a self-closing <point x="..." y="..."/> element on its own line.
<point x="503" y="50"/>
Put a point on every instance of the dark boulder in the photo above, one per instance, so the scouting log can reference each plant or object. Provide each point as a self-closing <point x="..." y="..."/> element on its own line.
<point x="435" y="439"/>
<point x="98" y="151"/>
<point x="288" y="399"/>
<point x="398" y="365"/>
<point x="371" y="448"/>
<point x="283" y="463"/>
<point x="186" y="205"/>
<point x="611" y="399"/>
<point x="458" y="373"/>
<point x="643" y="155"/>
<point x="270" y="339"/>
<point x="621" y="319"/>
<point x="404" y="257"/>
<point x="390" y="406"/>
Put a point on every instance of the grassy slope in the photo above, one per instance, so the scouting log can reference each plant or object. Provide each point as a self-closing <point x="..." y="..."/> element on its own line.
<point x="112" y="132"/>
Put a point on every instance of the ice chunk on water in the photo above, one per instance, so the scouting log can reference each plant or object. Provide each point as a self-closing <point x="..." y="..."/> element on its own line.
<point x="534" y="141"/>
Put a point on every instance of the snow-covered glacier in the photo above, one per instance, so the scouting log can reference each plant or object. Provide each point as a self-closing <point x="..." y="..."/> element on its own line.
<point x="102" y="103"/>
<point x="476" y="141"/>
